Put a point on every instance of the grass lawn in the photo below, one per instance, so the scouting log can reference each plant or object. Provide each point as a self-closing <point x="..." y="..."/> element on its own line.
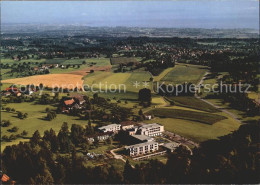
<point x="70" y="69"/>
<point x="11" y="61"/>
<point x="162" y="74"/>
<point x="98" y="61"/>
<point x="162" y="158"/>
<point x="118" y="164"/>
<point x="5" y="85"/>
<point x="122" y="60"/>
<point x="101" y="149"/>
<point x="35" y="120"/>
<point x="192" y="102"/>
<point x="254" y="95"/>
<point x="184" y="73"/>
<point x="197" y="131"/>
<point x="201" y="117"/>
<point x="240" y="114"/>
<point x="115" y="80"/>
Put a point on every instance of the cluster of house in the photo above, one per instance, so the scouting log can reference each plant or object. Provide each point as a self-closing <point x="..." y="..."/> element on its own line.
<point x="75" y="101"/>
<point x="48" y="67"/>
<point x="14" y="91"/>
<point x="141" y="135"/>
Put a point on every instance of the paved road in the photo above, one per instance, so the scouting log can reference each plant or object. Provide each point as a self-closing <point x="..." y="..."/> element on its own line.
<point x="181" y="139"/>
<point x="217" y="107"/>
<point x="120" y="157"/>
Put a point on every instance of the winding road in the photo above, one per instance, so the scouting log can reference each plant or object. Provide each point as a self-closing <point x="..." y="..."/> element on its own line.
<point x="217" y="107"/>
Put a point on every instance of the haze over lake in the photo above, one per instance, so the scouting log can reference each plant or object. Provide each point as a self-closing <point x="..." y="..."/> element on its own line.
<point x="192" y="14"/>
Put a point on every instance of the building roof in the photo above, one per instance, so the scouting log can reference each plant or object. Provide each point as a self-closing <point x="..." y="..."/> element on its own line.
<point x="152" y="125"/>
<point x="142" y="137"/>
<point x="108" y="126"/>
<point x="141" y="144"/>
<point x="171" y="145"/>
<point x="78" y="96"/>
<point x="126" y="123"/>
<point x="69" y="102"/>
<point x="11" y="89"/>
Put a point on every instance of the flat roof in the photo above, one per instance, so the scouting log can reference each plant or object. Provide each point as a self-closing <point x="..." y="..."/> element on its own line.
<point x="142" y="137"/>
<point x="108" y="126"/>
<point x="126" y="123"/>
<point x="171" y="145"/>
<point x="141" y="144"/>
<point x="155" y="125"/>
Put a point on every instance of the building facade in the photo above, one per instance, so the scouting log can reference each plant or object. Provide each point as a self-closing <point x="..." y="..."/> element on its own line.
<point x="153" y="129"/>
<point x="126" y="125"/>
<point x="110" y="128"/>
<point x="142" y="148"/>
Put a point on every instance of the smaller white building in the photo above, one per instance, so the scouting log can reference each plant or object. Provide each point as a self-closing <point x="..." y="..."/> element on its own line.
<point x="153" y="129"/>
<point x="110" y="128"/>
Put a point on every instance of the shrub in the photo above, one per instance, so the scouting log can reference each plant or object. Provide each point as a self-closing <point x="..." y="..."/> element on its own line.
<point x="14" y="129"/>
<point x="8" y="109"/>
<point x="47" y="109"/>
<point x="6" y="123"/>
<point x="24" y="133"/>
<point x="12" y="137"/>
<point x="5" y="138"/>
<point x="51" y="115"/>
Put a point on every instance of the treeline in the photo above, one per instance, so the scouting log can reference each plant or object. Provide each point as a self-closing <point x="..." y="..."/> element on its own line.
<point x="239" y="101"/>
<point x="232" y="158"/>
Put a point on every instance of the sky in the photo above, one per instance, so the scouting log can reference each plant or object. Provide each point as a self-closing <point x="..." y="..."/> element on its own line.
<point x="176" y="13"/>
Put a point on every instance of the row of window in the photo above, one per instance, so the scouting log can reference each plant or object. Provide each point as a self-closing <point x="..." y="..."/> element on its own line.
<point x="146" y="148"/>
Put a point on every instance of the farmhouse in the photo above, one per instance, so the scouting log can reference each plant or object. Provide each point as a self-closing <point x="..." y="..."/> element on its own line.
<point x="73" y="102"/>
<point x="142" y="148"/>
<point x="170" y="147"/>
<point x="110" y="128"/>
<point x="11" y="91"/>
<point x="68" y="104"/>
<point x="78" y="98"/>
<point x="153" y="129"/>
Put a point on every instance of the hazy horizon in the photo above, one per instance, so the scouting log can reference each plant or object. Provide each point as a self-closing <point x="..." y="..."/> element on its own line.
<point x="219" y="14"/>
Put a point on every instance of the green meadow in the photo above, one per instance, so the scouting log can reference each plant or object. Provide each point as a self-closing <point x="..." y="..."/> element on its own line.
<point x="184" y="73"/>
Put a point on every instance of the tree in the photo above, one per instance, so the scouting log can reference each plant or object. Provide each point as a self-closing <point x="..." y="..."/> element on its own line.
<point x="24" y="133"/>
<point x="96" y="141"/>
<point x="128" y="173"/>
<point x="36" y="138"/>
<point x="64" y="139"/>
<point x="6" y="123"/>
<point x="109" y="141"/>
<point x="50" y="136"/>
<point x="114" y="177"/>
<point x="140" y="112"/>
<point x="77" y="134"/>
<point x="145" y="95"/>
<point x="14" y="129"/>
<point x="51" y="115"/>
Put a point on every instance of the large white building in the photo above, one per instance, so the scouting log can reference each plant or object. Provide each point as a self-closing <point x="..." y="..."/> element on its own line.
<point x="142" y="148"/>
<point x="110" y="128"/>
<point x="153" y="129"/>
